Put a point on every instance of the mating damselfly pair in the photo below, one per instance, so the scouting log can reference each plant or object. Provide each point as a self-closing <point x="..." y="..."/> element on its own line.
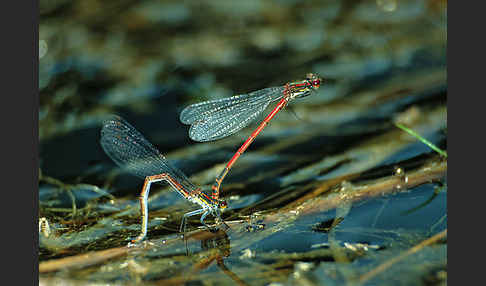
<point x="209" y="120"/>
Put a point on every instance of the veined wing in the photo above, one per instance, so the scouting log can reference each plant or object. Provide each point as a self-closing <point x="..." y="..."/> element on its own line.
<point x="216" y="119"/>
<point x="130" y="150"/>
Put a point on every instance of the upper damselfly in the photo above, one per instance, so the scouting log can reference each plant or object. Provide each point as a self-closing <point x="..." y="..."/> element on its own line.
<point x="216" y="119"/>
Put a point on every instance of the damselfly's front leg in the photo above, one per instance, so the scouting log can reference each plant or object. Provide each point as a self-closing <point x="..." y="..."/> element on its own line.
<point x="203" y="217"/>
<point x="183" y="223"/>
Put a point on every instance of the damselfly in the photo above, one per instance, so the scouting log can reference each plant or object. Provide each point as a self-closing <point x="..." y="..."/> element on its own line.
<point x="130" y="150"/>
<point x="216" y="119"/>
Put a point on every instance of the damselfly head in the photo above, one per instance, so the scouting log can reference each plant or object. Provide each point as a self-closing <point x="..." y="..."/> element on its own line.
<point x="304" y="87"/>
<point x="222" y="204"/>
<point x="314" y="80"/>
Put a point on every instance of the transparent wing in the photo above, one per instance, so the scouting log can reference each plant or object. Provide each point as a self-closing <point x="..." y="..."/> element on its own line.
<point x="216" y="119"/>
<point x="131" y="151"/>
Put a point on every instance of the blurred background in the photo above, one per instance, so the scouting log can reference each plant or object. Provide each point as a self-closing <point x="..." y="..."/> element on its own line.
<point x="381" y="60"/>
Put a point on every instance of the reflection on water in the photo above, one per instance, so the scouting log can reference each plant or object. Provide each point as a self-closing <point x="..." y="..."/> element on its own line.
<point x="217" y="247"/>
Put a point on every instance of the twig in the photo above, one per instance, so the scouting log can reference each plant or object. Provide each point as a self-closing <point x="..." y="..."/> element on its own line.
<point x="82" y="260"/>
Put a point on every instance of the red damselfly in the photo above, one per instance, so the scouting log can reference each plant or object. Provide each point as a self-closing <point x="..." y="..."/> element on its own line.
<point x="130" y="150"/>
<point x="216" y="119"/>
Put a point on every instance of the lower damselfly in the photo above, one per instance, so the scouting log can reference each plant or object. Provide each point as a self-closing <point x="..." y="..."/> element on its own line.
<point x="131" y="151"/>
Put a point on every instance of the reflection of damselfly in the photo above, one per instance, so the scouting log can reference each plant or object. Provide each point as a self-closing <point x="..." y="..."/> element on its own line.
<point x="216" y="119"/>
<point x="130" y="150"/>
<point x="217" y="247"/>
